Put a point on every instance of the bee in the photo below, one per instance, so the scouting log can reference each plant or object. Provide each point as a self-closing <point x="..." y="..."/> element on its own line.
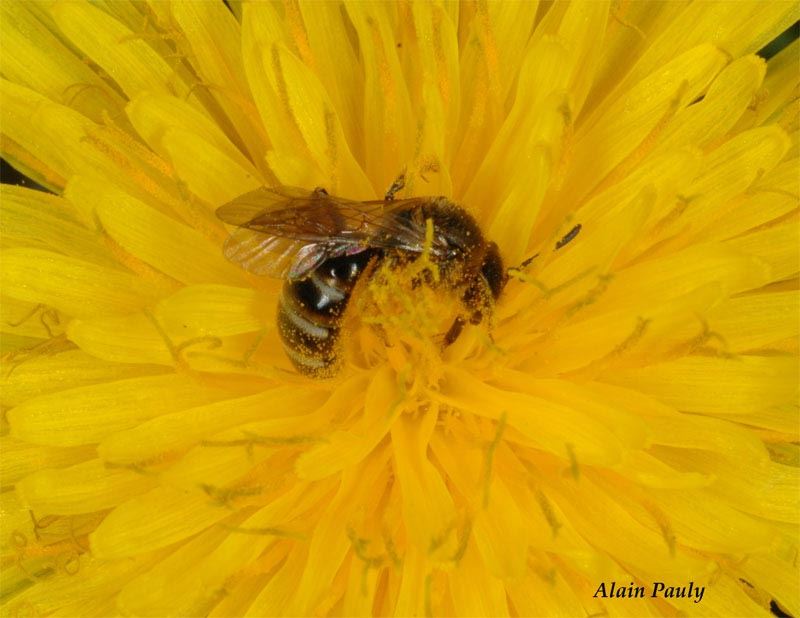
<point x="321" y="245"/>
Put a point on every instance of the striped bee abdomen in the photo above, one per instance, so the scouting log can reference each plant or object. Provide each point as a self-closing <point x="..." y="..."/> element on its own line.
<point x="310" y="311"/>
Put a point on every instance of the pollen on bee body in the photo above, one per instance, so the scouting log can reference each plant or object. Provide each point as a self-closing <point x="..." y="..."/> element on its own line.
<point x="401" y="315"/>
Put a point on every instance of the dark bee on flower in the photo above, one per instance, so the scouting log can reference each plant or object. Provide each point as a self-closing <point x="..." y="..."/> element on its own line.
<point x="322" y="245"/>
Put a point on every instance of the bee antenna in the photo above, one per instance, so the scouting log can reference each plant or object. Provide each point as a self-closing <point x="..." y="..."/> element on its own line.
<point x="569" y="236"/>
<point x="397" y="185"/>
<point x="527" y="262"/>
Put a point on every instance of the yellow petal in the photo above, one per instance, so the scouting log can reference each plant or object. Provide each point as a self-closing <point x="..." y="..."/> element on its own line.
<point x="476" y="593"/>
<point x="141" y="338"/>
<point x="736" y="28"/>
<point x="216" y="310"/>
<point x="313" y="112"/>
<point x="726" y="100"/>
<point x="208" y="571"/>
<point x="193" y="157"/>
<point x="428" y="508"/>
<point x="667" y="277"/>
<point x="132" y="529"/>
<point x="749" y="211"/>
<point x="78" y="145"/>
<point x="69" y="369"/>
<point x="154" y="114"/>
<point x="125" y="339"/>
<point x="329" y="541"/>
<point x="508" y="28"/>
<point x="86" y="414"/>
<point x="37" y="219"/>
<point x="551" y="427"/>
<point x="749" y="322"/>
<point x="630" y="538"/>
<point x="776" y="576"/>
<point x="614" y="131"/>
<point x="777" y="246"/>
<point x="168" y="431"/>
<point x="694" y="515"/>
<point x="129" y="60"/>
<point x="716" y="385"/>
<point x="37" y="59"/>
<point x="730" y="170"/>
<point x="273" y="598"/>
<point x="83" y="488"/>
<point x="679" y="430"/>
<point x="506" y="173"/>
<point x="779" y="83"/>
<point x="261" y="29"/>
<point x="157" y="593"/>
<point x="213" y="35"/>
<point x="333" y="57"/>
<point x="346" y="448"/>
<point x="66" y="283"/>
<point x="648" y="471"/>
<point x="412" y="599"/>
<point x="31" y="322"/>
<point x="387" y="108"/>
<point x="553" y="596"/>
<point x="21" y="458"/>
<point x="631" y="29"/>
<point x="163" y="242"/>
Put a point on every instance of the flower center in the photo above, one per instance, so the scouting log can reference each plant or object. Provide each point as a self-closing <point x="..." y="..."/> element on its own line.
<point x="400" y="316"/>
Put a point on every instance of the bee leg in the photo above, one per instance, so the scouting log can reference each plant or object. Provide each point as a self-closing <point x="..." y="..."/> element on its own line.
<point x="380" y="332"/>
<point x="397" y="185"/>
<point x="454" y="331"/>
<point x="475" y="302"/>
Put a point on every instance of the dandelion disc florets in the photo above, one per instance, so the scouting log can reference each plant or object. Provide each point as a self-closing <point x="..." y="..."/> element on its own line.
<point x="626" y="412"/>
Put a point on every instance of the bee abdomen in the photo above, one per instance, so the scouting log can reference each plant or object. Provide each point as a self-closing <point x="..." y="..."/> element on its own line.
<point x="309" y="344"/>
<point x="310" y="310"/>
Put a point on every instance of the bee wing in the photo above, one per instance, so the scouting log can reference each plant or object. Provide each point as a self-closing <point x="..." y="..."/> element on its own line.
<point x="285" y="231"/>
<point x="273" y="256"/>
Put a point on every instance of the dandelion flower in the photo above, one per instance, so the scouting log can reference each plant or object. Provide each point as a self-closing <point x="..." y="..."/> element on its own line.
<point x="628" y="413"/>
